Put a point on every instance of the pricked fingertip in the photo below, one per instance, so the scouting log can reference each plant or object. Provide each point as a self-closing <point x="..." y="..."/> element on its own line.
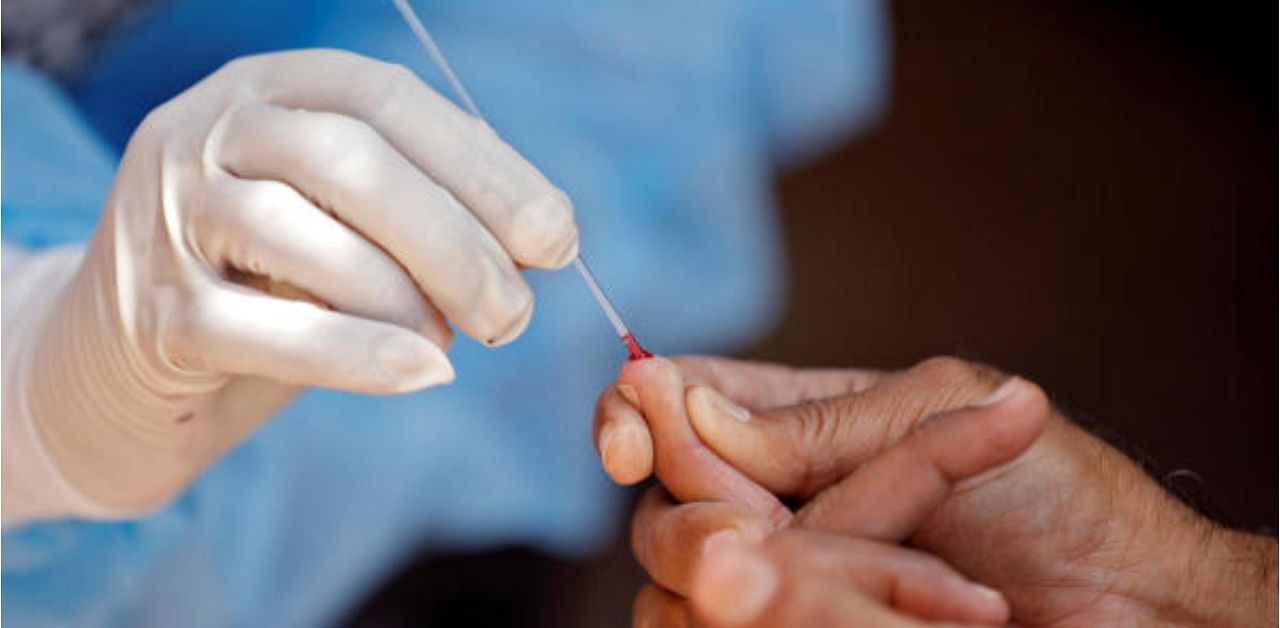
<point x="638" y="371"/>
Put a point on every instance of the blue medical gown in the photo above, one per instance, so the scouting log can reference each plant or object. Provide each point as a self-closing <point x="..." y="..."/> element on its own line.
<point x="663" y="120"/>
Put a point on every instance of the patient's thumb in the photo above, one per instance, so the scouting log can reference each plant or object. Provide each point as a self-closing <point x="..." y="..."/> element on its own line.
<point x="795" y="451"/>
<point x="741" y="438"/>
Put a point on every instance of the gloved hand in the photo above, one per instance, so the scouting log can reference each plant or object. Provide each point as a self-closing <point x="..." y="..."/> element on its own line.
<point x="306" y="218"/>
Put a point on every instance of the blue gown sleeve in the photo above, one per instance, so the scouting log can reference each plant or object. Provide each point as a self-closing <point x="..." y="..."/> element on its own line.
<point x="57" y="171"/>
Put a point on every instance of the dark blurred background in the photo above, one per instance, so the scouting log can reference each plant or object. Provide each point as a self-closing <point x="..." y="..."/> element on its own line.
<point x="1081" y="192"/>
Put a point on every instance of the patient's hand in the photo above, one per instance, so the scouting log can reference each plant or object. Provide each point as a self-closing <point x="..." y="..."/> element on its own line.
<point x="744" y="565"/>
<point x="738" y="571"/>
<point x="1071" y="532"/>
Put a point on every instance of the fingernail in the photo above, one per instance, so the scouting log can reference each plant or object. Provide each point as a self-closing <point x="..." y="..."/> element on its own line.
<point x="725" y="406"/>
<point x="626" y="452"/>
<point x="987" y="592"/>
<point x="734" y="584"/>
<point x="568" y="251"/>
<point x="993" y="599"/>
<point x="568" y="248"/>
<point x="517" y="324"/>
<point x="409" y="364"/>
<point x="629" y="393"/>
<point x="548" y="235"/>
<point x="605" y="444"/>
<point x="717" y="542"/>
<point x="1000" y="394"/>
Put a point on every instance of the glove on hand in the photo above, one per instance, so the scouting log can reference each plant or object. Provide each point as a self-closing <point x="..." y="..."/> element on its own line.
<point x="305" y="218"/>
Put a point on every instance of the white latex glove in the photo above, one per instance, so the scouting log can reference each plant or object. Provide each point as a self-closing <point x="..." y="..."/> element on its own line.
<point x="306" y="218"/>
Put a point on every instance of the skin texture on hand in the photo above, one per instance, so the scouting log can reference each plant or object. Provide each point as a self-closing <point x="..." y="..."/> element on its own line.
<point x="809" y="576"/>
<point x="1071" y="532"/>
<point x="791" y="577"/>
<point x="914" y="583"/>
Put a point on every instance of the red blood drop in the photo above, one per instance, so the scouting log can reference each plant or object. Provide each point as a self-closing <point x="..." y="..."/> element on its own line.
<point x="633" y="347"/>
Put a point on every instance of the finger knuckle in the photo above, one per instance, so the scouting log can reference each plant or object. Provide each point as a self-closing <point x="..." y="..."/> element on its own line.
<point x="159" y="123"/>
<point x="958" y="376"/>
<point x="238" y="65"/>
<point x="944" y="368"/>
<point x="393" y="89"/>
<point x="337" y="58"/>
<point x="816" y="427"/>
<point x="349" y="154"/>
<point x="397" y="74"/>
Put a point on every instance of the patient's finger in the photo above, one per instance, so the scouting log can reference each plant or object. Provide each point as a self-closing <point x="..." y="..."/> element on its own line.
<point x="807" y="578"/>
<point x="911" y="581"/>
<point x="656" y="607"/>
<point x="669" y="539"/>
<point x="763" y="385"/>
<point x="622" y="438"/>
<point x="892" y="495"/>
<point x="689" y="470"/>
<point x="801" y="449"/>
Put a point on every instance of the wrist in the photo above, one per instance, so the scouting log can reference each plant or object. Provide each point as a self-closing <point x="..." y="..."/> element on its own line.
<point x="1161" y="561"/>
<point x="1193" y="572"/>
<point x="35" y="486"/>
<point x="1230" y="579"/>
<point x="102" y="414"/>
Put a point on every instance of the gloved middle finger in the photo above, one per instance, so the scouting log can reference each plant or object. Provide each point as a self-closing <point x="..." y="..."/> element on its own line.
<point x="344" y="166"/>
<point x="268" y="229"/>
<point x="526" y="213"/>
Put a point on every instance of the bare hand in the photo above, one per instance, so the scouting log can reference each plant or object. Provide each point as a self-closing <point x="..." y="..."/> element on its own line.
<point x="1071" y="532"/>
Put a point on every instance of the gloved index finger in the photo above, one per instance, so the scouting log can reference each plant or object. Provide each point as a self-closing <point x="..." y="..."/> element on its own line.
<point x="532" y="218"/>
